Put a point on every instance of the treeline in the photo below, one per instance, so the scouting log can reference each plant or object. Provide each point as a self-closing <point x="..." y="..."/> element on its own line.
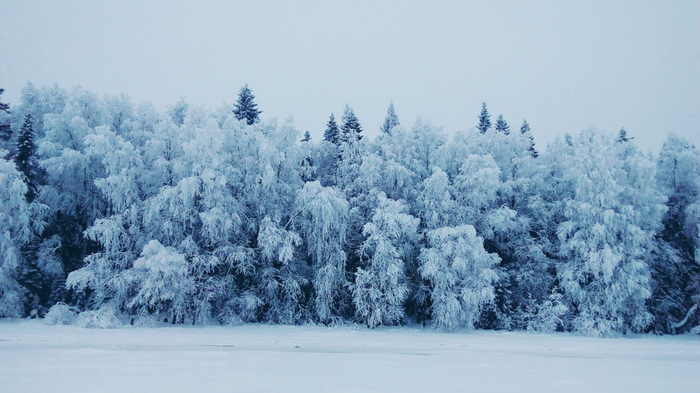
<point x="214" y="216"/>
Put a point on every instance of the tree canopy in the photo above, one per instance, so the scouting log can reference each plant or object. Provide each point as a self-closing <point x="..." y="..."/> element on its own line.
<point x="196" y="216"/>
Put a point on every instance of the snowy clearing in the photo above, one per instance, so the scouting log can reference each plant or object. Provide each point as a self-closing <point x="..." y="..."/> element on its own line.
<point x="266" y="358"/>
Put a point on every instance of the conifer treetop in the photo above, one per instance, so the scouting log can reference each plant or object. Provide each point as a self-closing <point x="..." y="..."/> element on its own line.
<point x="622" y="136"/>
<point x="245" y="107"/>
<point x="25" y="158"/>
<point x="502" y="125"/>
<point x="484" y="119"/>
<point x="307" y="136"/>
<point x="332" y="133"/>
<point x="351" y="125"/>
<point x="391" y="120"/>
<point x="525" y="127"/>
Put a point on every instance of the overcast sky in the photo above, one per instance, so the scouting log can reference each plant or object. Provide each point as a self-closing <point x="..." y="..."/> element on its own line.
<point x="565" y="66"/>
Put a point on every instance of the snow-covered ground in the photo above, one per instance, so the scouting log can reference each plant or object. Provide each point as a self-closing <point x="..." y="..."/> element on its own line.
<point x="264" y="358"/>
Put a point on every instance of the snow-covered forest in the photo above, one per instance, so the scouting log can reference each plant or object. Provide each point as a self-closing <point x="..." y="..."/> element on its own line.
<point x="207" y="216"/>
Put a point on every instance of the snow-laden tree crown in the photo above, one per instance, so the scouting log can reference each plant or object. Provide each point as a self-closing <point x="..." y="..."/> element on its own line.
<point x="219" y="216"/>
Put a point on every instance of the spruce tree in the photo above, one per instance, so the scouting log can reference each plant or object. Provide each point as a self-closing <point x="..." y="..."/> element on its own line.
<point x="332" y="133"/>
<point x="245" y="108"/>
<point x="622" y="136"/>
<point x="307" y="136"/>
<point x="29" y="276"/>
<point x="350" y="125"/>
<point x="502" y="125"/>
<point x="484" y="119"/>
<point x="5" y="131"/>
<point x="391" y="120"/>
<point x="525" y="129"/>
<point x="25" y="159"/>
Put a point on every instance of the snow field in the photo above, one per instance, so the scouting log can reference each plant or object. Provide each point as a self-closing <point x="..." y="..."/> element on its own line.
<point x="268" y="358"/>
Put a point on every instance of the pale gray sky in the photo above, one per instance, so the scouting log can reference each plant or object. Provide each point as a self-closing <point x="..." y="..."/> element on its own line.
<point x="563" y="65"/>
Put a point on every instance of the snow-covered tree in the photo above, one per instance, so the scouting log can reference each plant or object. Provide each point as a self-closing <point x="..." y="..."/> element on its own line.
<point x="525" y="130"/>
<point x="200" y="216"/>
<point x="39" y="102"/>
<point x="395" y="150"/>
<point x="284" y="274"/>
<point x="606" y="238"/>
<point x="160" y="281"/>
<point x="502" y="125"/>
<point x="324" y="216"/>
<point x="350" y="127"/>
<point x="31" y="101"/>
<point x="15" y="231"/>
<point x="525" y="127"/>
<point x="361" y="175"/>
<point x="39" y="265"/>
<point x="324" y="155"/>
<point x="25" y="158"/>
<point x="121" y="112"/>
<point x="143" y="123"/>
<point x="332" y="132"/>
<point x="350" y="153"/>
<point x="496" y="181"/>
<point x="476" y="186"/>
<point x="484" y="119"/>
<point x="281" y="277"/>
<point x="69" y="173"/>
<point x="245" y="108"/>
<point x="381" y="286"/>
<point x="676" y="271"/>
<point x="426" y="149"/>
<point x="436" y="206"/>
<point x="461" y="275"/>
<point x="178" y="112"/>
<point x="118" y="233"/>
<point x="307" y="137"/>
<point x="391" y="120"/>
<point x="547" y="316"/>
<point x="622" y="136"/>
